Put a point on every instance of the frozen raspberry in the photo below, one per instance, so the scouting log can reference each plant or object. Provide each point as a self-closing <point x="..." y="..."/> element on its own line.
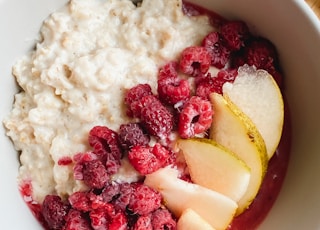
<point x="136" y="93"/>
<point x="162" y="219"/>
<point x="157" y="120"/>
<point x="195" y="117"/>
<point x="172" y="90"/>
<point x="208" y="84"/>
<point x="95" y="174"/>
<point x="101" y="217"/>
<point x="75" y="220"/>
<point x="132" y="134"/>
<point x="195" y="59"/>
<point x="80" y="201"/>
<point x="261" y="53"/>
<point x="215" y="44"/>
<point x="80" y="159"/>
<point x="143" y="223"/>
<point x="144" y="200"/>
<point x="168" y="70"/>
<point x="110" y="192"/>
<point x="148" y="159"/>
<point x="54" y="211"/>
<point x="119" y="222"/>
<point x="124" y="196"/>
<point x="106" y="145"/>
<point x="145" y="101"/>
<point x="235" y="33"/>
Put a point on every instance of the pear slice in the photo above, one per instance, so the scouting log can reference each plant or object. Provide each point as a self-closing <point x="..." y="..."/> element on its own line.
<point x="179" y="195"/>
<point x="234" y="130"/>
<point x="213" y="166"/>
<point x="190" y="220"/>
<point x="257" y="94"/>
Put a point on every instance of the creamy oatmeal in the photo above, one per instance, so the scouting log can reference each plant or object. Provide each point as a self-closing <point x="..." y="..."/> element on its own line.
<point x="89" y="54"/>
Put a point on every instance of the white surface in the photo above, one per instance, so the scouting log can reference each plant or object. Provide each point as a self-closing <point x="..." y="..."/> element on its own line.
<point x="288" y="23"/>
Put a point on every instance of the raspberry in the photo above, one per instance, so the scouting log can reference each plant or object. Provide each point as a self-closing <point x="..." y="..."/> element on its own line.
<point x="110" y="192"/>
<point x="195" y="117"/>
<point x="208" y="84"/>
<point x="136" y="93"/>
<point x="131" y="135"/>
<point x="95" y="174"/>
<point x="261" y="53"/>
<point x="75" y="220"/>
<point x="125" y="192"/>
<point x="235" y="33"/>
<point x="119" y="222"/>
<point x="143" y="223"/>
<point x="144" y="200"/>
<point x="168" y="70"/>
<point x="145" y="101"/>
<point x="157" y="120"/>
<point x="106" y="145"/>
<point x="195" y="59"/>
<point x="148" y="159"/>
<point x="54" y="211"/>
<point x="100" y="217"/>
<point x="172" y="90"/>
<point x="80" y="159"/>
<point x="80" y="201"/>
<point x="215" y="44"/>
<point x="162" y="219"/>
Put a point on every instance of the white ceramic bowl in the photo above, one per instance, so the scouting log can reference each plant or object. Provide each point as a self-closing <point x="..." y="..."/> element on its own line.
<point x="289" y="24"/>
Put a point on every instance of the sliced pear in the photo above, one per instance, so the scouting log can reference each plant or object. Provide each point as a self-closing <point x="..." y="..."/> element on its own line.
<point x="234" y="130"/>
<point x="213" y="166"/>
<point x="179" y="195"/>
<point x="257" y="94"/>
<point x="190" y="220"/>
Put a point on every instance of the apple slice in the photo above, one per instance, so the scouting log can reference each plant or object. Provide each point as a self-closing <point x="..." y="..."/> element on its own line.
<point x="179" y="195"/>
<point x="257" y="94"/>
<point x="190" y="220"/>
<point x="234" y="130"/>
<point x="213" y="166"/>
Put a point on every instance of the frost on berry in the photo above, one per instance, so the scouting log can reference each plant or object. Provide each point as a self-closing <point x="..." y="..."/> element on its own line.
<point x="76" y="220"/>
<point x="215" y="44"/>
<point x="144" y="199"/>
<point x="157" y="120"/>
<point x="162" y="219"/>
<point x="122" y="200"/>
<point x="195" y="59"/>
<point x="235" y="33"/>
<point x="168" y="70"/>
<point x="132" y="134"/>
<point x="95" y="174"/>
<point x="195" y="117"/>
<point x="105" y="144"/>
<point x="54" y="211"/>
<point x="143" y="223"/>
<point x="110" y="191"/>
<point x="147" y="159"/>
<point x="172" y="90"/>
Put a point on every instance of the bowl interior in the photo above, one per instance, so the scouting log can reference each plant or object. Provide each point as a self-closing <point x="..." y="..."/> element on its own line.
<point x="290" y="25"/>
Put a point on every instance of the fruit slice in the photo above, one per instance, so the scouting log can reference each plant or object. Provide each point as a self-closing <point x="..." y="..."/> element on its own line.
<point x="179" y="195"/>
<point x="257" y="94"/>
<point x="190" y="220"/>
<point x="234" y="130"/>
<point x="213" y="166"/>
